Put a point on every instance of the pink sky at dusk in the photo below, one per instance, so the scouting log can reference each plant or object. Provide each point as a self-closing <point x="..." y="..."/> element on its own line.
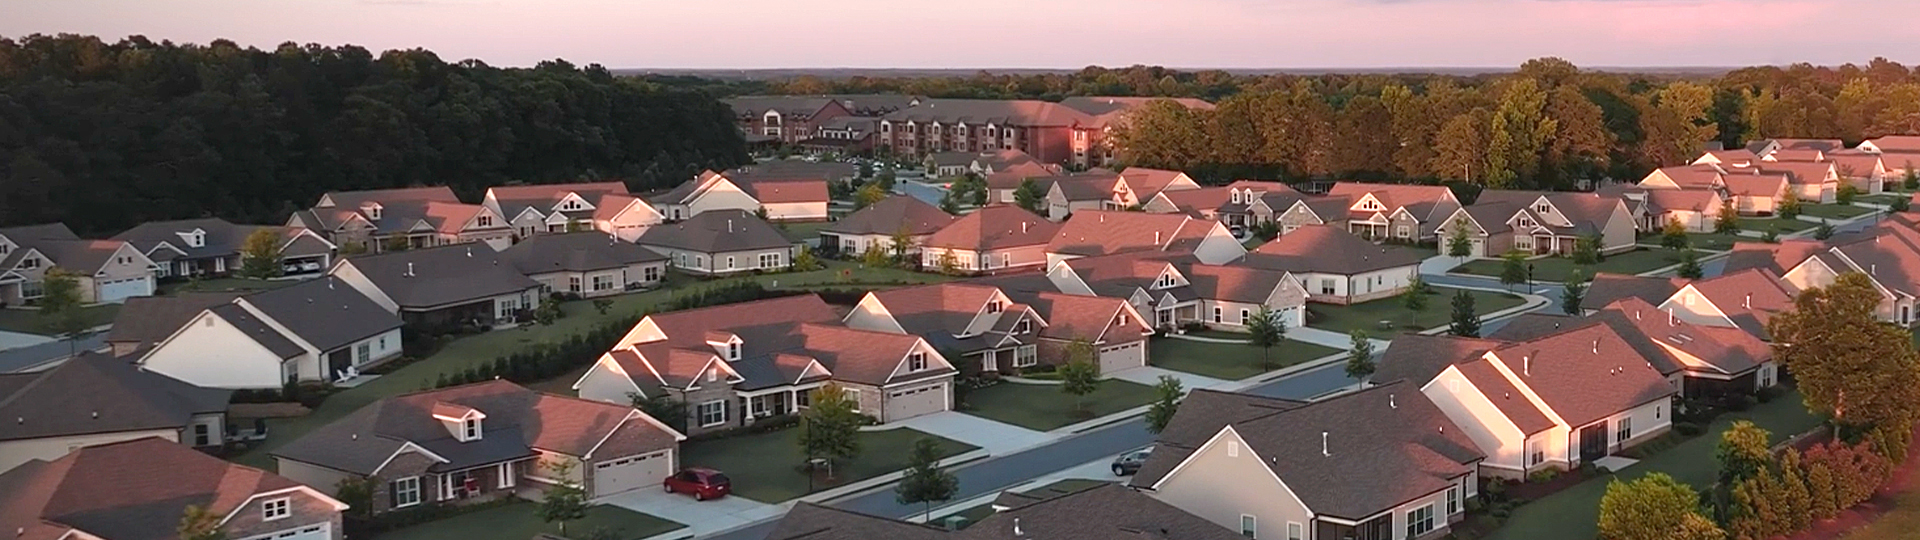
<point x="1028" y="33"/>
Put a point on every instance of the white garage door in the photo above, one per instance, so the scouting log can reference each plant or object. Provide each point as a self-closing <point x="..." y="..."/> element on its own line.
<point x="632" y="472"/>
<point x="1480" y="247"/>
<point x="321" y="531"/>
<point x="910" y="402"/>
<point x="1131" y="355"/>
<point x="1293" y="317"/>
<point x="122" y="289"/>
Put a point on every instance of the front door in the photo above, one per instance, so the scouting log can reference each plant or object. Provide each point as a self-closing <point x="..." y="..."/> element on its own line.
<point x="1593" y="442"/>
<point x="338" y="362"/>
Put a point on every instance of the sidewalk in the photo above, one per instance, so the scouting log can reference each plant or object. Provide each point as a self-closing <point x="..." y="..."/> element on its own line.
<point x="1316" y="336"/>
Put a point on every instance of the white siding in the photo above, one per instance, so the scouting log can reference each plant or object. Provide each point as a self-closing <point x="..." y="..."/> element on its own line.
<point x="607" y="382"/>
<point x="1470" y="409"/>
<point x="1197" y="487"/>
<point x="210" y="352"/>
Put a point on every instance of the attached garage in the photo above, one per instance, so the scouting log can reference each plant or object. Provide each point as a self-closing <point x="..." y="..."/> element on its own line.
<point x="914" y="401"/>
<point x="1120" y="357"/>
<point x="1480" y="247"/>
<point x="631" y="473"/>
<point x="322" y="531"/>
<point x="120" y="290"/>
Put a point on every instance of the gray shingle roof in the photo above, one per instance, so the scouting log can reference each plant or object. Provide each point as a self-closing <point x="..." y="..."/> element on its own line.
<point x="441" y="276"/>
<point x="576" y="252"/>
<point x="254" y="328"/>
<point x="716" y="232"/>
<point x="892" y="215"/>
<point x="1328" y="249"/>
<point x="1418" y="358"/>
<point x="96" y="393"/>
<point x="1607" y="288"/>
<point x="325" y="313"/>
<point x="149" y="319"/>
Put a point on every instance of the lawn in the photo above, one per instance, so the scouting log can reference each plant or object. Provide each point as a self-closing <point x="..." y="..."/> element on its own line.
<point x="1367" y="316"/>
<point x="28" y="320"/>
<point x="1881" y="199"/>
<point x="801" y="232"/>
<point x="581" y="317"/>
<point x="1898" y="523"/>
<point x="1835" y="211"/>
<point x="1782" y="225"/>
<point x="765" y="466"/>
<point x="1574" y="513"/>
<point x="226" y="284"/>
<point x="1724" y="242"/>
<point x="522" y="520"/>
<point x="1228" y="361"/>
<point x="1043" y="407"/>
<point x="1555" y="269"/>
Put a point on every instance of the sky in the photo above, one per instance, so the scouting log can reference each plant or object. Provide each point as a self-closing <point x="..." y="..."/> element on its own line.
<point x="1027" y="33"/>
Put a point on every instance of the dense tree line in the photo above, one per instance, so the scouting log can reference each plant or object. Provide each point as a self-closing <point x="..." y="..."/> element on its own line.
<point x="107" y="135"/>
<point x="1547" y="124"/>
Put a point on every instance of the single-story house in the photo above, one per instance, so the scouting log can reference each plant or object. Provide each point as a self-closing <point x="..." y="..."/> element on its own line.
<point x="560" y="208"/>
<point x="1542" y="222"/>
<point x="994" y="238"/>
<point x="589" y="264"/>
<point x="320" y="330"/>
<point x="1094" y="233"/>
<point x="214" y="247"/>
<point x="787" y="192"/>
<point x="418" y="217"/>
<point x="147" y="320"/>
<point x="720" y="243"/>
<point x="997" y="333"/>
<point x="106" y="270"/>
<point x="483" y="441"/>
<point x="877" y="225"/>
<point x="96" y="399"/>
<point x="443" y="285"/>
<point x="1336" y="266"/>
<point x="1178" y="289"/>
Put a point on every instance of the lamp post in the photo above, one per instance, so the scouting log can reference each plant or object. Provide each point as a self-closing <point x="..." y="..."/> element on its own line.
<point x="1529" y="278"/>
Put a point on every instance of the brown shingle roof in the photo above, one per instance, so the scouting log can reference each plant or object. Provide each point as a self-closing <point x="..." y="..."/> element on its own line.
<point x="1505" y="396"/>
<point x="1606" y="288"/>
<point x="891" y="216"/>
<point x="1418" y="358"/>
<point x="95" y="393"/>
<point x="716" y="232"/>
<point x="576" y="252"/>
<point x="1749" y="297"/>
<point x="1392" y="195"/>
<point x="1585" y="374"/>
<point x="149" y="319"/>
<point x="997" y="226"/>
<point x="131" y="490"/>
<point x="1328" y="250"/>
<point x="1104" y="232"/>
<point x="1728" y="351"/>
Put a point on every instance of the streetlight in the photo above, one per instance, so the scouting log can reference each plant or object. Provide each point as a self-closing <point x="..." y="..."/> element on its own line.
<point x="1529" y="278"/>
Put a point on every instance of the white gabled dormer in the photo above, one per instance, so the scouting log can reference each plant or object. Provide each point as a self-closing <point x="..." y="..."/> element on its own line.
<point x="989" y="314"/>
<point x="572" y="203"/>
<point x="1170" y="277"/>
<point x="460" y="420"/>
<point x="372" y="210"/>
<point x="1369" y="204"/>
<point x="1544" y="208"/>
<point x="726" y="344"/>
<point x="196" y="238"/>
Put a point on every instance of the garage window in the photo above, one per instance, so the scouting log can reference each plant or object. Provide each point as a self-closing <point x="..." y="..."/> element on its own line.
<point x="274" y="509"/>
<point x="713" y="413"/>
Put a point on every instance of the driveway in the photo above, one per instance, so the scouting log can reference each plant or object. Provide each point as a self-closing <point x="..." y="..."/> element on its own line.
<point x="702" y="518"/>
<point x="1149" y="375"/>
<point x="994" y="437"/>
<point x="15" y="340"/>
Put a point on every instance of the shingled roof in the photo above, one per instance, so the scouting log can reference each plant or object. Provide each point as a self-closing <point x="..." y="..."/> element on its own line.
<point x="1585" y="374"/>
<point x="96" y="393"/>
<point x="997" y="226"/>
<point x="586" y="251"/>
<point x="1328" y="249"/>
<point x="892" y="215"/>
<point x="434" y="277"/>
<point x="1607" y="288"/>
<point x="1418" y="358"/>
<point x="716" y="232"/>
<point x="149" y="319"/>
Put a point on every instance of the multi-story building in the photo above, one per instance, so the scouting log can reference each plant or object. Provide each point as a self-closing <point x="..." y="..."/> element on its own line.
<point x="1049" y="132"/>
<point x="792" y="119"/>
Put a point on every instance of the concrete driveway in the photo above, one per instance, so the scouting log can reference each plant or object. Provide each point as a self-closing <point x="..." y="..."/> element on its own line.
<point x="15" y="340"/>
<point x="994" y="437"/>
<point x="701" y="517"/>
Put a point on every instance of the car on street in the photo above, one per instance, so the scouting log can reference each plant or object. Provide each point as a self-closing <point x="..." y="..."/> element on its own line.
<point x="1130" y="462"/>
<point x="702" y="483"/>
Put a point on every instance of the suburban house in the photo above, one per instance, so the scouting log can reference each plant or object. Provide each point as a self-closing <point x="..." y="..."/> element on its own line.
<point x="1230" y="204"/>
<point x="735" y="364"/>
<point x="1381" y="463"/>
<point x="1695" y="359"/>
<point x="1050" y="132"/>
<point x="440" y="286"/>
<point x="1178" y="290"/>
<point x="212" y="247"/>
<point x="147" y="320"/>
<point x="1747" y="299"/>
<point x="588" y="264"/>
<point x="720" y="243"/>
<point x="1402" y="211"/>
<point x="994" y="238"/>
<point x="1106" y="512"/>
<point x="1888" y="253"/>
<point x="1005" y="170"/>
<point x="996" y="332"/>
<point x="106" y="270"/>
<point x="1765" y="147"/>
<point x="1606" y="288"/>
<point x="1540" y="223"/>
<point x="136" y="490"/>
<point x="95" y="399"/>
<point x="1900" y="154"/>
<point x="1419" y="358"/>
<point x="784" y="192"/>
<point x="1107" y="232"/>
<point x="1300" y="212"/>
<point x="1756" y="188"/>
<point x="1555" y="402"/>
<point x="319" y="330"/>
<point x="876" y="226"/>
<point x="483" y="441"/>
<point x="1070" y="193"/>
<point x="1336" y="266"/>
<point x="417" y="217"/>
<point x="1865" y="171"/>
<point x="560" y="208"/>
<point x="948" y="164"/>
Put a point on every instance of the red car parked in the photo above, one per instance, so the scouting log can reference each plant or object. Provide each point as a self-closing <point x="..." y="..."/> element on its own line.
<point x="702" y="483"/>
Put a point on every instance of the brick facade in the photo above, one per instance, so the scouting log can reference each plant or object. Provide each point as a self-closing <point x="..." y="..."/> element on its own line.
<point x="306" y="511"/>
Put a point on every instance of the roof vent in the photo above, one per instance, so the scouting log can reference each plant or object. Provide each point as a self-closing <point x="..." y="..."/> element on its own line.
<point x="409" y="269"/>
<point x="1016" y="528"/>
<point x="1526" y="365"/>
<point x="1748" y="302"/>
<point x="1324" y="452"/>
<point x="1596" y="345"/>
<point x="1390" y="402"/>
<point x="96" y="415"/>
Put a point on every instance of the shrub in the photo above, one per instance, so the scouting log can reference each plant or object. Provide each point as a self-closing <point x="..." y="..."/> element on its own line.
<point x="1688" y="428"/>
<point x="1193" y="326"/>
<point x="1542" y="476"/>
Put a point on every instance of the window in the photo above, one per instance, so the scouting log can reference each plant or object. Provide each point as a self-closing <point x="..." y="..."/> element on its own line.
<point x="1233" y="448"/>
<point x="202" y="435"/>
<point x="1166" y="280"/>
<point x="1326" y="285"/>
<point x="602" y="282"/>
<point x="713" y="413"/>
<point x="404" y="492"/>
<point x="767" y="260"/>
<point x="1534" y="454"/>
<point x="1420" y="521"/>
<point x="573" y="283"/>
<point x="917" y="361"/>
<point x="1295" y="531"/>
<point x="1006" y="260"/>
<point x="32" y="289"/>
<point x="733" y="351"/>
<point x="1021" y="328"/>
<point x="1542" y="208"/>
<point x="484" y="220"/>
<point x="1216" y="314"/>
<point x="1245" y="317"/>
<point x="729" y="262"/>
<point x="506" y="475"/>
<point x="274" y="509"/>
<point x="1624" y="430"/>
<point x="1453" y="500"/>
<point x="363" y="352"/>
<point x="30" y="264"/>
<point x="1026" y="356"/>
<point x="651" y="273"/>
<point x="470" y="428"/>
<point x="1403" y="231"/>
<point x="713" y="375"/>
<point x="1249" y="526"/>
<point x="1124" y="320"/>
<point x="993" y="307"/>
<point x="853" y="396"/>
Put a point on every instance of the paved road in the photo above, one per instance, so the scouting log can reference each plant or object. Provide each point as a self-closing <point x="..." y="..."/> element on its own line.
<point x="1002" y="472"/>
<point x="16" y="359"/>
<point x="930" y="193"/>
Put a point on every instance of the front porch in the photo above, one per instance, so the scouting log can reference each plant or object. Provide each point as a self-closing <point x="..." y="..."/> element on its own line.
<point x="1539" y="243"/>
<point x="759" y="404"/>
<point x="1175" y="315"/>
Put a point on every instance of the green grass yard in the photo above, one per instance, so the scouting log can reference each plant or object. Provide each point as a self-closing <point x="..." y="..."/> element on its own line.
<point x="28" y="320"/>
<point x="1043" y="407"/>
<point x="581" y="317"/>
<point x="1573" y="514"/>
<point x="522" y="520"/>
<point x="1228" y="361"/>
<point x="1555" y="269"/>
<point x="1835" y="211"/>
<point x="225" y="284"/>
<point x="1763" y="224"/>
<point x="801" y="232"/>
<point x="766" y="467"/>
<point x="1367" y="315"/>
<point x="1883" y="198"/>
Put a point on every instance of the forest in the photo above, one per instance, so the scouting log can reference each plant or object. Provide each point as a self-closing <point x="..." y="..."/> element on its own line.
<point x="1547" y="124"/>
<point x="104" y="135"/>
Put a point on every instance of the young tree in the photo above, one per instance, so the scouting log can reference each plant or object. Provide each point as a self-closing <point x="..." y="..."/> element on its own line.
<point x="925" y="482"/>
<point x="1360" y="356"/>
<point x="260" y="254"/>
<point x="565" y="500"/>
<point x="1078" y="379"/>
<point x="60" y="312"/>
<point x="830" y="428"/>
<point x="804" y="260"/>
<point x="1823" y="232"/>
<point x="1513" y="268"/>
<point x="1586" y="249"/>
<point x="1911" y="179"/>
<point x="198" y="523"/>
<point x="885" y="180"/>
<point x="1166" y="402"/>
<point x="1743" y="452"/>
<point x="1654" y="507"/>
<point x="1466" y="321"/>
<point x="947" y="265"/>
<point x="1846" y="193"/>
<point x="868" y="195"/>
<point x="1415" y="300"/>
<point x="1789" y="206"/>
<point x="1265" y="330"/>
<point x="1850" y="367"/>
<point x="1728" y="222"/>
<point x="1458" y="244"/>
<point x="950" y="202"/>
<point x="1673" y="235"/>
<point x="1029" y="196"/>
<point x="1689" y="265"/>
<point x="1900" y="204"/>
<point x="1572" y="293"/>
<point x="1267" y="230"/>
<point x="876" y="256"/>
<point x="395" y="243"/>
<point x="357" y="493"/>
<point x="903" y="246"/>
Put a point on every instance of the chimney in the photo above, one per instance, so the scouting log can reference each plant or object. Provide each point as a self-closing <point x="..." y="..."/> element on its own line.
<point x="1324" y="452"/>
<point x="409" y="269"/>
